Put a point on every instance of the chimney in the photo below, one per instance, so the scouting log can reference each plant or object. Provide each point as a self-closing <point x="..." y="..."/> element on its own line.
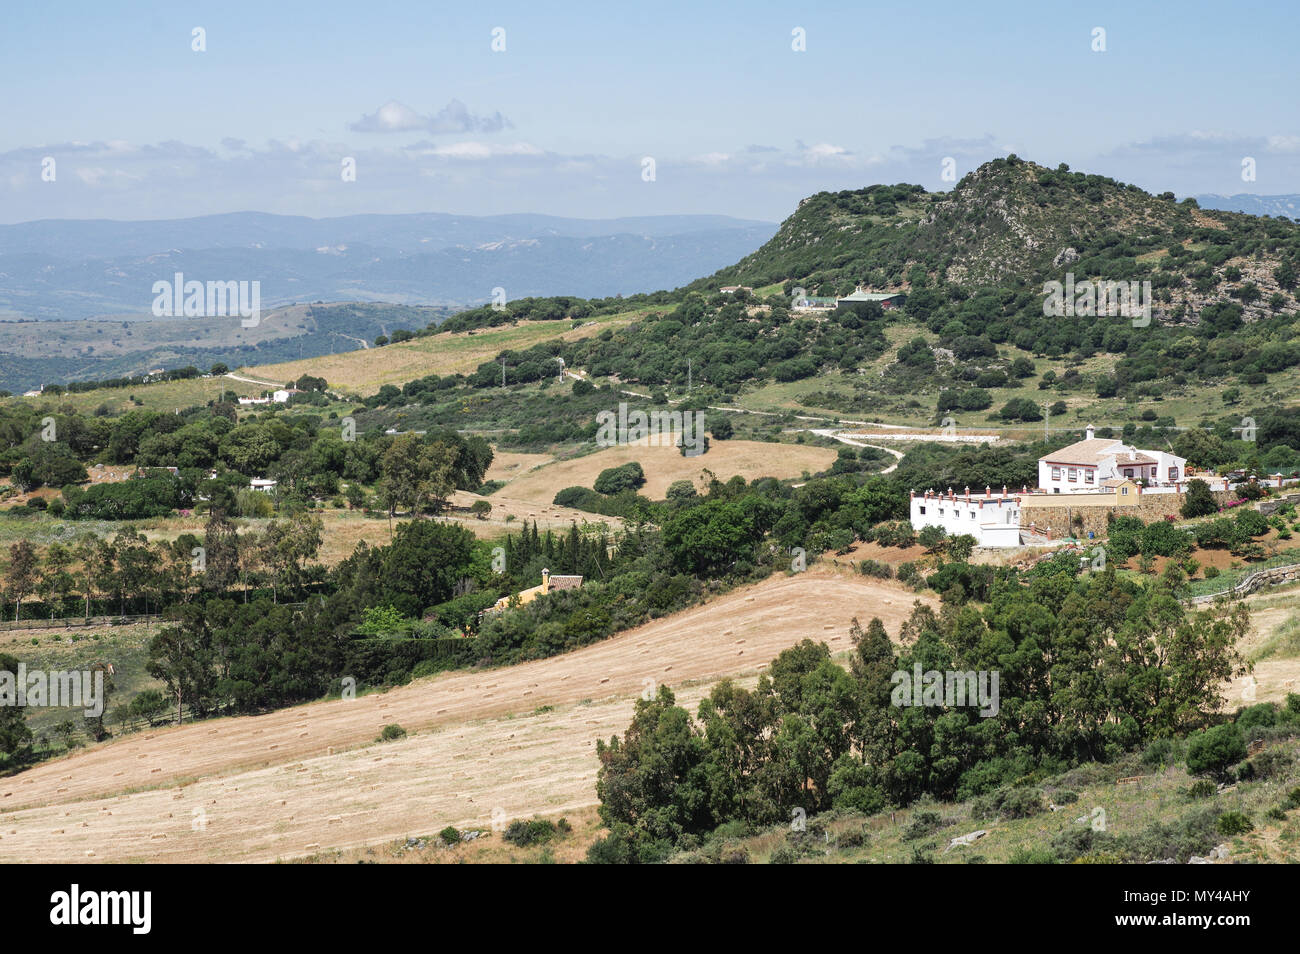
<point x="1090" y="431"/>
<point x="546" y="580"/>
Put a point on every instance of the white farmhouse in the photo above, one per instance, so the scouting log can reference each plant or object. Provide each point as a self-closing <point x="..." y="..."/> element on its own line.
<point x="992" y="518"/>
<point x="1088" y="464"/>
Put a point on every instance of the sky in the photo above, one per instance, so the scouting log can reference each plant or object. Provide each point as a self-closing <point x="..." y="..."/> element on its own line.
<point x="601" y="110"/>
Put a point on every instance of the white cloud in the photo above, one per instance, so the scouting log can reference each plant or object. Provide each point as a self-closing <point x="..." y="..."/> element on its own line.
<point x="483" y="150"/>
<point x="455" y="117"/>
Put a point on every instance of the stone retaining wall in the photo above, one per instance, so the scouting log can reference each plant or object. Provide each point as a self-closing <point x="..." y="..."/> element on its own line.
<point x="1056" y="517"/>
<point x="1271" y="576"/>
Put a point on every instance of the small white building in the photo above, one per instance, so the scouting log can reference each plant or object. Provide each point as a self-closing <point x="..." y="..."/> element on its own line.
<point x="992" y="518"/>
<point x="282" y="396"/>
<point x="1087" y="464"/>
<point x="262" y="484"/>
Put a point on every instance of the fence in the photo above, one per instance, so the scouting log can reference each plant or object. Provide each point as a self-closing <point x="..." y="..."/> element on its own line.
<point x="77" y="621"/>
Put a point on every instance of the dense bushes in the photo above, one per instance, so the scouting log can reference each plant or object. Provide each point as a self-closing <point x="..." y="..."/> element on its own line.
<point x="814" y="736"/>
<point x="156" y="495"/>
<point x="1214" y="750"/>
<point x="613" y="480"/>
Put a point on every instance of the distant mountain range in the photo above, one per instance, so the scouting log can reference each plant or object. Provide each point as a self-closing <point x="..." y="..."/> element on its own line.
<point x="59" y="270"/>
<point x="1274" y="205"/>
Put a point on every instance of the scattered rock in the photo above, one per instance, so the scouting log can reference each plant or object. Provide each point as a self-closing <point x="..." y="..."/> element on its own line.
<point x="968" y="839"/>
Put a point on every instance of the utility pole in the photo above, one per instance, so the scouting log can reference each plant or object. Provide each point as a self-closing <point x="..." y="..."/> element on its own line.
<point x="503" y="371"/>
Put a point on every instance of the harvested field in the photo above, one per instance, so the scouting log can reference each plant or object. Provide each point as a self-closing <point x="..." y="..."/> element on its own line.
<point x="507" y="465"/>
<point x="367" y="370"/>
<point x="302" y="780"/>
<point x="663" y="465"/>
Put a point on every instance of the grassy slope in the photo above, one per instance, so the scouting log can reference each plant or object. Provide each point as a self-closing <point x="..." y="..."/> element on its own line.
<point x="360" y="372"/>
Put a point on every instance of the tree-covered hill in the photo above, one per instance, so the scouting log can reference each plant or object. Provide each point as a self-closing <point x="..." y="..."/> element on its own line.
<point x="1013" y="223"/>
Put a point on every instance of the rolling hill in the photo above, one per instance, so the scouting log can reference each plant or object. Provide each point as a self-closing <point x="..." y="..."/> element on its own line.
<point x="67" y="287"/>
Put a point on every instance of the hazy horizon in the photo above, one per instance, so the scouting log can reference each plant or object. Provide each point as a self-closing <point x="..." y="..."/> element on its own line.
<point x="154" y="113"/>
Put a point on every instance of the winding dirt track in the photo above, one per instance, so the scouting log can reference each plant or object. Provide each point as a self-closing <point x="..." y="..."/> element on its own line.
<point x="312" y="778"/>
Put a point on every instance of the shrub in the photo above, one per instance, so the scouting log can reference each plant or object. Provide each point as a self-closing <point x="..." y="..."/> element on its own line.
<point x="876" y="568"/>
<point x="450" y="835"/>
<point x="1262" y="715"/>
<point x="679" y="490"/>
<point x="1202" y="788"/>
<point x="1213" y="750"/>
<point x="1160" y="752"/>
<point x="1033" y="856"/>
<point x="1234" y="823"/>
<point x="851" y="838"/>
<point x="895" y="534"/>
<point x="392" y="731"/>
<point x="612" y="480"/>
<point x="1022" y="803"/>
<point x="922" y="824"/>
<point x="536" y="831"/>
<point x="579" y="498"/>
<point x="1269" y="764"/>
<point x="1252" y="522"/>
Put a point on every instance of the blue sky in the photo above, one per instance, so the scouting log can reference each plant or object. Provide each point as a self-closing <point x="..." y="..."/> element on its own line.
<point x="139" y="125"/>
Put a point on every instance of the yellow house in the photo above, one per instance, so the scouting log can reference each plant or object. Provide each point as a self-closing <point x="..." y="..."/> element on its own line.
<point x="1127" y="491"/>
<point x="549" y="583"/>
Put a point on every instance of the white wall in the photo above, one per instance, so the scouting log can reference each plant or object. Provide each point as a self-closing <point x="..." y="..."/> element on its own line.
<point x="992" y="520"/>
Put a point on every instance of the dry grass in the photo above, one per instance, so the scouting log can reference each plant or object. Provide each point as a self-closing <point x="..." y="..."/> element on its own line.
<point x="366" y="371"/>
<point x="501" y="743"/>
<point x="507" y="465"/>
<point x="663" y="465"/>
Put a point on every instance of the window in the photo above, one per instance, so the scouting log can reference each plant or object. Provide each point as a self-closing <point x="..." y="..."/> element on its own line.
<point x="1123" y="491"/>
<point x="1056" y="490"/>
<point x="1073" y="476"/>
<point x="1088" y="475"/>
<point x="972" y="514"/>
<point x="1173" y="473"/>
<point x="1056" y="473"/>
<point x="1128" y="471"/>
<point x="922" y="509"/>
